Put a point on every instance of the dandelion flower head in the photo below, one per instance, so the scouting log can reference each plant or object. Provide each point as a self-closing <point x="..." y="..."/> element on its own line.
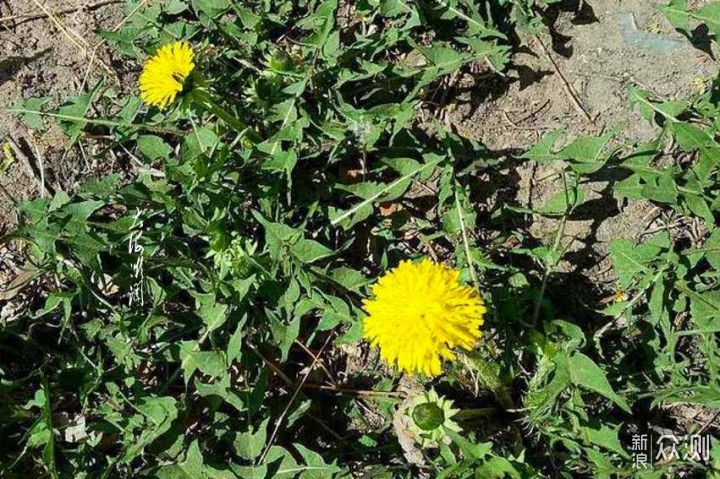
<point x="164" y="74"/>
<point x="418" y="313"/>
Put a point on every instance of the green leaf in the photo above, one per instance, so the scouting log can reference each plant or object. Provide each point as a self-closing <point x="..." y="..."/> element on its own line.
<point x="211" y="8"/>
<point x="676" y="13"/>
<point x="321" y="23"/>
<point x="59" y="298"/>
<point x="630" y="259"/>
<point x="211" y="363"/>
<point x="446" y="59"/>
<point x="250" y="472"/>
<point x="298" y="411"/>
<point x="220" y="387"/>
<point x="349" y="278"/>
<point x="248" y="18"/>
<point x="250" y="444"/>
<point x="710" y="15"/>
<point x="309" y="251"/>
<point x="31" y="119"/>
<point x="331" y="318"/>
<point x="277" y="235"/>
<point x="315" y="466"/>
<point x="404" y="166"/>
<point x="200" y="141"/>
<point x="193" y="467"/>
<point x="173" y="7"/>
<point x="160" y="412"/>
<point x="699" y="207"/>
<point x="648" y="107"/>
<point x="542" y="150"/>
<point x="384" y="191"/>
<point x="469" y="449"/>
<point x="234" y="349"/>
<point x="281" y="161"/>
<point x="331" y="48"/>
<point x="353" y="334"/>
<point x="153" y="147"/>
<point x="497" y="55"/>
<point x="83" y="209"/>
<point x="285" y="334"/>
<point x="102" y="187"/>
<point x="213" y="314"/>
<point x="477" y="26"/>
<point x="712" y="249"/>
<point x="662" y="189"/>
<point x="605" y="436"/>
<point x="560" y="381"/>
<point x="586" y="149"/>
<point x="690" y="137"/>
<point x="282" y="462"/>
<point x="497" y="467"/>
<point x="705" y="309"/>
<point x="586" y="374"/>
<point x="77" y="107"/>
<point x="563" y="202"/>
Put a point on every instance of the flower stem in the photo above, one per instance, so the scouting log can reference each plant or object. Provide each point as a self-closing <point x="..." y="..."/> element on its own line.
<point x="468" y="414"/>
<point x="488" y="374"/>
<point x="205" y="100"/>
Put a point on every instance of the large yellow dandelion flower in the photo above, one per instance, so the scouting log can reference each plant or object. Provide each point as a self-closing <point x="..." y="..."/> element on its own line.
<point x="164" y="74"/>
<point x="419" y="313"/>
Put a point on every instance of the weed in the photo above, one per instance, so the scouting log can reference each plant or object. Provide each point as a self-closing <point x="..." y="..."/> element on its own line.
<point x="202" y="310"/>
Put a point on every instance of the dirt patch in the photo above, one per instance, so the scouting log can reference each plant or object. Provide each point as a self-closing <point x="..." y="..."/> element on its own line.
<point x="54" y="58"/>
<point x="578" y="79"/>
<point x="618" y="44"/>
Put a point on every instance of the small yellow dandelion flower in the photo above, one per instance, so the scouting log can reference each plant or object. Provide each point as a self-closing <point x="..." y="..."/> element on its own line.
<point x="620" y="295"/>
<point x="164" y="74"/>
<point x="8" y="152"/>
<point x="419" y="312"/>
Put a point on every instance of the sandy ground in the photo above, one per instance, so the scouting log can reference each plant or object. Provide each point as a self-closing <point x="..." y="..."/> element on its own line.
<point x="605" y="47"/>
<point x="41" y="57"/>
<point x="54" y="59"/>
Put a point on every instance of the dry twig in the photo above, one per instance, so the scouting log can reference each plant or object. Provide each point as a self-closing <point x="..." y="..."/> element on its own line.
<point x="566" y="84"/>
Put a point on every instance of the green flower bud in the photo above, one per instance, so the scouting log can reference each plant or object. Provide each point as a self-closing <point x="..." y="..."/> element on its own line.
<point x="428" y="416"/>
<point x="281" y="61"/>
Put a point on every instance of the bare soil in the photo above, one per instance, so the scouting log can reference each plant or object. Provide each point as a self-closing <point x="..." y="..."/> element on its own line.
<point x="578" y="79"/>
<point x="55" y="58"/>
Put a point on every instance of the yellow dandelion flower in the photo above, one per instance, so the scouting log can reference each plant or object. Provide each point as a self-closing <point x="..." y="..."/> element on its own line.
<point x="419" y="313"/>
<point x="9" y="157"/>
<point x="620" y="295"/>
<point x="164" y="74"/>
